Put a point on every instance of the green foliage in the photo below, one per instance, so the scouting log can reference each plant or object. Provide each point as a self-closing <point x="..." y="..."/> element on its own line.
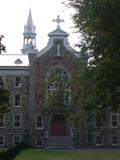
<point x="82" y="154"/>
<point x="56" y="101"/>
<point x="2" y="47"/>
<point x="98" y="22"/>
<point x="4" y="100"/>
<point x="12" y="152"/>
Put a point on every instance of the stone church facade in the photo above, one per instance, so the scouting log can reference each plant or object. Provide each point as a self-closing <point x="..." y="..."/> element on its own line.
<point x="26" y="78"/>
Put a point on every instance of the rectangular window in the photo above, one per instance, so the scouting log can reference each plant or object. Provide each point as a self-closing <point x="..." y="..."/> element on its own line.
<point x="17" y="121"/>
<point x="39" y="122"/>
<point x="1" y="141"/>
<point x="114" y="140"/>
<point x="17" y="100"/>
<point x="1" y="82"/>
<point x="2" y="120"/>
<point x="17" y="139"/>
<point x="98" y="140"/>
<point x="39" y="141"/>
<point x="17" y="81"/>
<point x="114" y="120"/>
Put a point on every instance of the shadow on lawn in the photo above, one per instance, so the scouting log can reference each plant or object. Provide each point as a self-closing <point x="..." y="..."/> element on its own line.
<point x="12" y="152"/>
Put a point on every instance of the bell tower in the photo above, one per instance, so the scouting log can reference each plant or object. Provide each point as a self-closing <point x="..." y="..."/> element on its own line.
<point x="29" y="41"/>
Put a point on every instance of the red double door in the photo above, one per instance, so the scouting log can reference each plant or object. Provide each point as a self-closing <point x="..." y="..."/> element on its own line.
<point x="58" y="126"/>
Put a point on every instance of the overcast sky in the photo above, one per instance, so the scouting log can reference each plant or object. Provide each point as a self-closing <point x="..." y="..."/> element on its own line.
<point x="14" y="14"/>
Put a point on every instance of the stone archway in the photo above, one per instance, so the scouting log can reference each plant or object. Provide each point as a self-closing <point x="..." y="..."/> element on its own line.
<point x="58" y="125"/>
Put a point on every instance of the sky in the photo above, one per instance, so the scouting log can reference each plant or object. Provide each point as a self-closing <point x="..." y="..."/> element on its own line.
<point x="14" y="14"/>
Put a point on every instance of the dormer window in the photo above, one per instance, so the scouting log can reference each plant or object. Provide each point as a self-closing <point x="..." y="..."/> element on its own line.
<point x="1" y="82"/>
<point x="18" y="61"/>
<point x="18" y="81"/>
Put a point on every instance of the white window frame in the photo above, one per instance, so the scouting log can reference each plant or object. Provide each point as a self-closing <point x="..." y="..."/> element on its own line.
<point x="114" y="144"/>
<point x="3" y="121"/>
<point x="15" y="100"/>
<point x="41" y="141"/>
<point x="19" y="82"/>
<point x="98" y="144"/>
<point x="20" y="139"/>
<point x="3" y="81"/>
<point x="19" y="121"/>
<point x="38" y="115"/>
<point x="2" y="145"/>
<point x="114" y="114"/>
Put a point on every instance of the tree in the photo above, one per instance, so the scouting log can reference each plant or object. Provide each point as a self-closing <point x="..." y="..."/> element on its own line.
<point x="4" y="100"/>
<point x="4" y="93"/>
<point x="2" y="47"/>
<point x="98" y="22"/>
<point x="58" y="99"/>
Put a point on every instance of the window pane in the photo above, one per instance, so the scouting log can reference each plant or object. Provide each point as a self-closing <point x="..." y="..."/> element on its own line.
<point x="17" y="100"/>
<point x="1" y="82"/>
<point x="114" y="140"/>
<point x="39" y="122"/>
<point x="98" y="140"/>
<point x="1" y="140"/>
<point x="114" y="120"/>
<point x="17" y="121"/>
<point x="39" y="141"/>
<point x="1" y="121"/>
<point x="17" y="81"/>
<point x="17" y="140"/>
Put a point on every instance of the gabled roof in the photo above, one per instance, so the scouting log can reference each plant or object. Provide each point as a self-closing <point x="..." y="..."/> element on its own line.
<point x="58" y="32"/>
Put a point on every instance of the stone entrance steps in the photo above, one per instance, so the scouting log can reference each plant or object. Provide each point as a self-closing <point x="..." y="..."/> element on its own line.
<point x="63" y="142"/>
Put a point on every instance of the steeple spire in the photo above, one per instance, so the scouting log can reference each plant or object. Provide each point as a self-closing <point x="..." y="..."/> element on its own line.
<point x="30" y="28"/>
<point x="29" y="44"/>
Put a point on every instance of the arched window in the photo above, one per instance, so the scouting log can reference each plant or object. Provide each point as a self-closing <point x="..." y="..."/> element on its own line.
<point x="58" y="78"/>
<point x="39" y="122"/>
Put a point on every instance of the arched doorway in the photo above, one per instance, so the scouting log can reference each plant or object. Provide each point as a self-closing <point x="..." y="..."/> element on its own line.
<point x="58" y="126"/>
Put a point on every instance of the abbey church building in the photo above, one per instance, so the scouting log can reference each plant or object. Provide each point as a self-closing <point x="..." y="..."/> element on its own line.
<point x="26" y="76"/>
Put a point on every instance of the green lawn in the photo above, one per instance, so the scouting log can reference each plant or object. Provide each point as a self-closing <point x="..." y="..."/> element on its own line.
<point x="36" y="154"/>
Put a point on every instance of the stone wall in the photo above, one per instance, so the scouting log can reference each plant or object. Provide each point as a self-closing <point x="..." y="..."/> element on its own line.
<point x="9" y="131"/>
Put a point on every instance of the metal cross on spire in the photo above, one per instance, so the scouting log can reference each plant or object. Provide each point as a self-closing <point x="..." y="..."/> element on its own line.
<point x="58" y="21"/>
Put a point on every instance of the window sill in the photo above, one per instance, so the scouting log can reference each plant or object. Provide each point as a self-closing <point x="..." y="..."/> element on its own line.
<point x="39" y="128"/>
<point x="17" y="106"/>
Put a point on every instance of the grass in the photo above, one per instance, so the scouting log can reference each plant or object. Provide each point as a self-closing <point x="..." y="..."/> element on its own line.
<point x="37" y="154"/>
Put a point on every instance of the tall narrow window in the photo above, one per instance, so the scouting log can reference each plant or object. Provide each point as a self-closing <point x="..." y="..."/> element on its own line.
<point x="114" y="120"/>
<point x="17" y="81"/>
<point x="1" y="141"/>
<point x="39" y="122"/>
<point x="1" y="82"/>
<point x="2" y="120"/>
<point x="17" y="100"/>
<point x="98" y="140"/>
<point x="114" y="140"/>
<point x="39" y="141"/>
<point x="17" y="121"/>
